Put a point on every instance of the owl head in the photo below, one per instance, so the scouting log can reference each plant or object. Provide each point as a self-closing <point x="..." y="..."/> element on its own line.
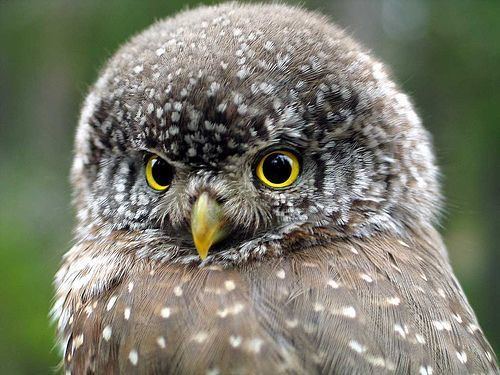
<point x="223" y="133"/>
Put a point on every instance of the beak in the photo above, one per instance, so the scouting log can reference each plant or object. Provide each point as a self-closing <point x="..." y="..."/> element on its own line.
<point x="207" y="226"/>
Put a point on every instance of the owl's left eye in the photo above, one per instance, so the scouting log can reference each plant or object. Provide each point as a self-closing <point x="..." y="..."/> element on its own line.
<point x="159" y="174"/>
<point x="278" y="169"/>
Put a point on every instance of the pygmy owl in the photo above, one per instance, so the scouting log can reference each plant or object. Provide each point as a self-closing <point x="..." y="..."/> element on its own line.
<point x="254" y="194"/>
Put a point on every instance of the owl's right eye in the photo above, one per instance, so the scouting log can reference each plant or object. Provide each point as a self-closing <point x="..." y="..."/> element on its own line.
<point x="159" y="174"/>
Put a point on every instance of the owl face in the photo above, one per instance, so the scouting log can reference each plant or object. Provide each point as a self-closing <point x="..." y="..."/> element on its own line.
<point x="263" y="189"/>
<point x="229" y="139"/>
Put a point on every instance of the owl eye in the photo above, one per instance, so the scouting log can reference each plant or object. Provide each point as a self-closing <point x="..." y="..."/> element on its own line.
<point x="159" y="174"/>
<point x="278" y="169"/>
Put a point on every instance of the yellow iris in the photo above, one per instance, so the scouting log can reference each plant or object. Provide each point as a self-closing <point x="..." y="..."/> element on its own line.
<point x="158" y="173"/>
<point x="278" y="169"/>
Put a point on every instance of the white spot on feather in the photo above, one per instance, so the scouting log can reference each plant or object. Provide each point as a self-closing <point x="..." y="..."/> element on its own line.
<point x="366" y="277"/>
<point x="111" y="303"/>
<point x="230" y="285"/>
<point x="349" y="311"/>
<point x="106" y="333"/>
<point x="425" y="370"/>
<point x="269" y="45"/>
<point x="376" y="361"/>
<point x="473" y="328"/>
<point x="420" y="339"/>
<point x="255" y="344"/>
<point x="333" y="284"/>
<point x="400" y="330"/>
<point x="234" y="310"/>
<point x="403" y="244"/>
<point x="88" y="310"/>
<point x="235" y="341"/>
<point x="175" y="116"/>
<point x="161" y="342"/>
<point x="165" y="312"/>
<point x="318" y="307"/>
<point x="200" y="337"/>
<point x="356" y="346"/>
<point x="457" y="317"/>
<point x="393" y="301"/>
<point x="133" y="357"/>
<point x="442" y="325"/>
<point x="78" y="341"/>
<point x="462" y="357"/>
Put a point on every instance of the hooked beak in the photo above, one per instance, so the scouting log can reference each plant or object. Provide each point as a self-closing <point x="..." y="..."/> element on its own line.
<point x="207" y="225"/>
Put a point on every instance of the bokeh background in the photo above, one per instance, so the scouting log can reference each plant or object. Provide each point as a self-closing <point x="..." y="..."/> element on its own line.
<point x="446" y="54"/>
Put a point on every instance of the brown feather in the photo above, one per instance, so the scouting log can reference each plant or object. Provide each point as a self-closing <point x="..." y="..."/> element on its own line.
<point x="379" y="305"/>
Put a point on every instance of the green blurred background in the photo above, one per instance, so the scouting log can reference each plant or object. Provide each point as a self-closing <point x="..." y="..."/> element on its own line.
<point x="446" y="54"/>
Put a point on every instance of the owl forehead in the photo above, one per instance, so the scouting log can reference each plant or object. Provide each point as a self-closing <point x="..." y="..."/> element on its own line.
<point x="201" y="88"/>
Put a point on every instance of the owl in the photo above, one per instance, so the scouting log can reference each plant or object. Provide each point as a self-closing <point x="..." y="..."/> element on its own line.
<point x="255" y="195"/>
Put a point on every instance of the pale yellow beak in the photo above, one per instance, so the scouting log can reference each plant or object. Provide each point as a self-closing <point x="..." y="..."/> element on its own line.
<point x="207" y="226"/>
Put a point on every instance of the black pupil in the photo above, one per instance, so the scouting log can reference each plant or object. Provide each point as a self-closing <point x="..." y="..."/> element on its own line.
<point x="277" y="168"/>
<point x="162" y="172"/>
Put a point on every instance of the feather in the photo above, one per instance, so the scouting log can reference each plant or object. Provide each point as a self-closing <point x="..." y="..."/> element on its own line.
<point x="384" y="304"/>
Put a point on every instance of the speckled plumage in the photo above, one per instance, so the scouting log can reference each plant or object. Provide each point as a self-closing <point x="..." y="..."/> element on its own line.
<point x="343" y="272"/>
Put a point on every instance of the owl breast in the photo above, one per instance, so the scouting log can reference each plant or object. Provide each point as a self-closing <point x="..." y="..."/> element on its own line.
<point x="323" y="309"/>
